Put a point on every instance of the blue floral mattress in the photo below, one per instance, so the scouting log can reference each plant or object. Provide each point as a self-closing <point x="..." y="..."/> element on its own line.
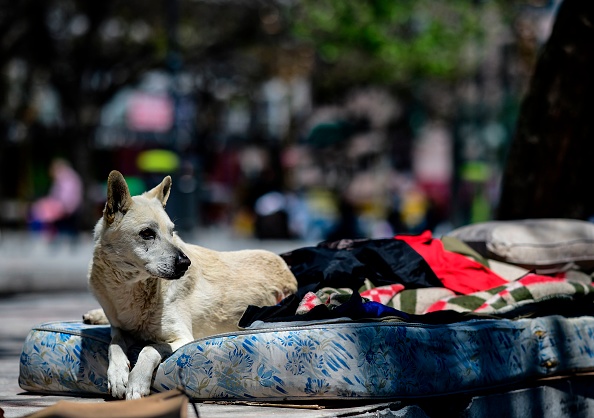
<point x="368" y="360"/>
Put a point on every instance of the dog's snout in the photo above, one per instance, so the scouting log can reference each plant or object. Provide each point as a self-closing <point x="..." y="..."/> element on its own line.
<point x="182" y="262"/>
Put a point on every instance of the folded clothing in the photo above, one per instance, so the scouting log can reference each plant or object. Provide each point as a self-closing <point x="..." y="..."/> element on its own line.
<point x="455" y="271"/>
<point x="408" y="276"/>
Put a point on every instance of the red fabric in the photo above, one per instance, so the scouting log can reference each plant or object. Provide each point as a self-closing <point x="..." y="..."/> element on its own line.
<point x="456" y="272"/>
<point x="382" y="294"/>
<point x="537" y="278"/>
<point x="309" y="301"/>
<point x="440" y="305"/>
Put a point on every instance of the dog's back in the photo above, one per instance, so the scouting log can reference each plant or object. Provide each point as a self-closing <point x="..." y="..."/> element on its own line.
<point x="228" y="282"/>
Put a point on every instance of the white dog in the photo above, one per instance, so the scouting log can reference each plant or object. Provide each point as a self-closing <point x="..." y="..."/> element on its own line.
<point x="154" y="287"/>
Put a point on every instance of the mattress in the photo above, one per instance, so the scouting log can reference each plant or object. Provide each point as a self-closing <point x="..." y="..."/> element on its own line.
<point x="338" y="360"/>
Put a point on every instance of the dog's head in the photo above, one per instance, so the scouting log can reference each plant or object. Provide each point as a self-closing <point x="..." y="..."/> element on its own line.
<point x="137" y="235"/>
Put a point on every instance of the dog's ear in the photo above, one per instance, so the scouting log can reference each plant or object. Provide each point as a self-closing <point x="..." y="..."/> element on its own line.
<point x="118" y="196"/>
<point x="161" y="191"/>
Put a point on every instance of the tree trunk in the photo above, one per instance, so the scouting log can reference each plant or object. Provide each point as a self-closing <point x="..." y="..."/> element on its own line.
<point x="550" y="166"/>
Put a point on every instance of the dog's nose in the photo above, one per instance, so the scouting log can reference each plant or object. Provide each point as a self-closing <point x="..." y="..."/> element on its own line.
<point x="182" y="262"/>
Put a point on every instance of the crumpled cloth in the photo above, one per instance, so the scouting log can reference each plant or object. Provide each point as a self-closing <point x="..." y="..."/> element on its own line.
<point x="455" y="271"/>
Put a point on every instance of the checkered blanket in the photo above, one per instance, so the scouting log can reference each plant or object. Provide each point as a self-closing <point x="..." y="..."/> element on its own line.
<point x="528" y="289"/>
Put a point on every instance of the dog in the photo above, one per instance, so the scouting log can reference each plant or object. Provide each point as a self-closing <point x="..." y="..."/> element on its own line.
<point x="154" y="287"/>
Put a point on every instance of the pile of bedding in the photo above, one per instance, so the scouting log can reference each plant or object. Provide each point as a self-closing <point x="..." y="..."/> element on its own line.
<point x="414" y="277"/>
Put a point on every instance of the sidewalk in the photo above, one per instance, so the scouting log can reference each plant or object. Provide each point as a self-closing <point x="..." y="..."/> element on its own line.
<point x="30" y="264"/>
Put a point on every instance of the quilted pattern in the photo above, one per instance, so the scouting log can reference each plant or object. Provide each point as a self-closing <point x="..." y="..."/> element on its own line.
<point x="328" y="361"/>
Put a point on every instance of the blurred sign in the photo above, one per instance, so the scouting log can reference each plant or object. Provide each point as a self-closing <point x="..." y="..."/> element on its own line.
<point x="158" y="161"/>
<point x="150" y="113"/>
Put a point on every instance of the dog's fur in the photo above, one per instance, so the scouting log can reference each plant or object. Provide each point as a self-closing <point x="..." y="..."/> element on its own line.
<point x="154" y="287"/>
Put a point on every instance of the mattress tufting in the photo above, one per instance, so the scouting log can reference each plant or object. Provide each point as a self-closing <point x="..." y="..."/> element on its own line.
<point x="366" y="360"/>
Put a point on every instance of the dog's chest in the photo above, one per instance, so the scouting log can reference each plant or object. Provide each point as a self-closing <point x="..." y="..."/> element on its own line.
<point x="139" y="312"/>
<point x="141" y="325"/>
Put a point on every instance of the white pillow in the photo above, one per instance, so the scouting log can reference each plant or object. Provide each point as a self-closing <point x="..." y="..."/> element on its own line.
<point x="544" y="245"/>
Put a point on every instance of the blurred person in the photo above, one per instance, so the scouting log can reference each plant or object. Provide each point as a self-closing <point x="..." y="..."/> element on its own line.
<point x="58" y="211"/>
<point x="347" y="226"/>
<point x="271" y="216"/>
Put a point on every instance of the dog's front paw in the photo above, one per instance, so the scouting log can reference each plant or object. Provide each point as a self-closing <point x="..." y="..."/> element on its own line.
<point x="95" y="317"/>
<point x="138" y="385"/>
<point x="117" y="381"/>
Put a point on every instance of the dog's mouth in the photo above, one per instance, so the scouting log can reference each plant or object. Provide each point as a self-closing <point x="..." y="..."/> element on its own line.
<point x="172" y="275"/>
<point x="175" y="277"/>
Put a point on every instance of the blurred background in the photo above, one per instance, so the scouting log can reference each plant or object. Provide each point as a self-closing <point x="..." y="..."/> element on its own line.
<point x="284" y="119"/>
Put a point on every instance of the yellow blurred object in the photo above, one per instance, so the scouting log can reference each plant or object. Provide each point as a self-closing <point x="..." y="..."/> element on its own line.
<point x="243" y="223"/>
<point x="157" y="161"/>
<point x="414" y="208"/>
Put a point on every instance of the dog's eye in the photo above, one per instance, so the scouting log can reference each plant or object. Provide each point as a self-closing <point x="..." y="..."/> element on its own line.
<point x="148" y="233"/>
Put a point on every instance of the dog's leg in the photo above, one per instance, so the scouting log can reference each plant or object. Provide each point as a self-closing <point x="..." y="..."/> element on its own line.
<point x="95" y="317"/>
<point x="139" y="382"/>
<point x="119" y="365"/>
